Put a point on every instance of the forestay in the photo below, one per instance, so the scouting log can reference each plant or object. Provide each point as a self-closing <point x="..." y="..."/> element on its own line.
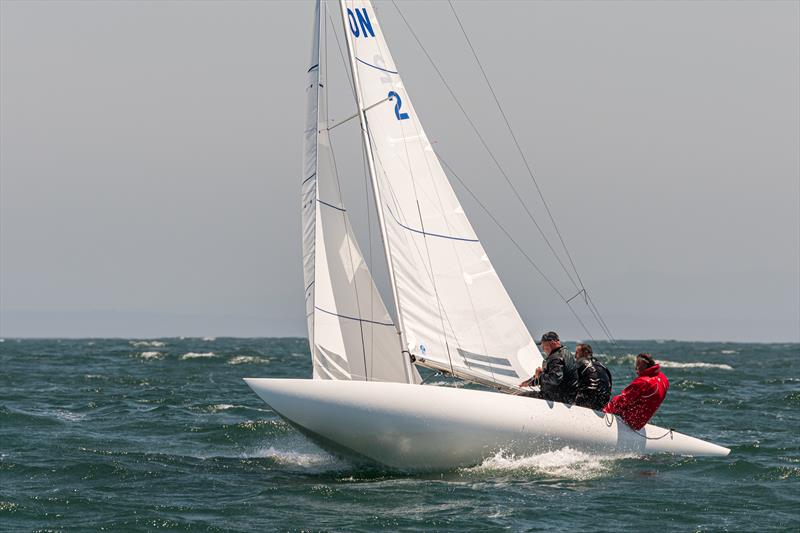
<point x="351" y="334"/>
<point x="453" y="308"/>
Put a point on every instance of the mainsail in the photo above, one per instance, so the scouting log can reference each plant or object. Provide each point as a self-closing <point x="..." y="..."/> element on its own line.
<point x="351" y="334"/>
<point x="452" y="307"/>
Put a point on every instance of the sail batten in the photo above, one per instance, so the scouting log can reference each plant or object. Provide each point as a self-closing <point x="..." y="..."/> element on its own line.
<point x="453" y="310"/>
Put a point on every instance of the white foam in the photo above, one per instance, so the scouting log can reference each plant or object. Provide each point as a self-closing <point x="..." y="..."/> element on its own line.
<point x="565" y="463"/>
<point x="315" y="461"/>
<point x="152" y="344"/>
<point x="673" y="364"/>
<point x="151" y="355"/>
<point x="209" y="339"/>
<point x="69" y="416"/>
<point x="195" y="355"/>
<point x="247" y="360"/>
<point x="220" y="407"/>
<point x="728" y="352"/>
<point x="630" y="358"/>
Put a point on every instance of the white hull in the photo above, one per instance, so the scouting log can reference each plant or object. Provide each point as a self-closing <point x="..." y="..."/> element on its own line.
<point x="418" y="427"/>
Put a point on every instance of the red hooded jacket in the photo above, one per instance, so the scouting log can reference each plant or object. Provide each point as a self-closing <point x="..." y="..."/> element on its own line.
<point x="638" y="402"/>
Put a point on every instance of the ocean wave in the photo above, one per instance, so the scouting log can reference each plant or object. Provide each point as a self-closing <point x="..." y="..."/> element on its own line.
<point x="209" y="339"/>
<point x="216" y="408"/>
<point x="673" y="364"/>
<point x="196" y="355"/>
<point x="151" y="344"/>
<point x="151" y="355"/>
<point x="247" y="360"/>
<point x="630" y="358"/>
<point x="8" y="507"/>
<point x="66" y="416"/>
<point x="728" y="352"/>
<point x="312" y="461"/>
<point x="566" y="463"/>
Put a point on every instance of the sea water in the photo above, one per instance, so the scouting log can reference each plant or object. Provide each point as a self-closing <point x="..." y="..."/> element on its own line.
<point x="147" y="434"/>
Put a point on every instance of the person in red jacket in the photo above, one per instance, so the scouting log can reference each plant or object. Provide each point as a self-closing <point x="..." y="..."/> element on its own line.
<point x="640" y="400"/>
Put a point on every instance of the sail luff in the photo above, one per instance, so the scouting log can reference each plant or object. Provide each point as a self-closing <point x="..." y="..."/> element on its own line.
<point x="376" y="190"/>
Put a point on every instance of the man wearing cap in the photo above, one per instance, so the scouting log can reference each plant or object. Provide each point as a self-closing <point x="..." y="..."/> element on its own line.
<point x="558" y="376"/>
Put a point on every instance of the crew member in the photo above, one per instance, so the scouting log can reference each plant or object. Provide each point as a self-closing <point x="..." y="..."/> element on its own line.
<point x="558" y="376"/>
<point x="594" y="379"/>
<point x="639" y="401"/>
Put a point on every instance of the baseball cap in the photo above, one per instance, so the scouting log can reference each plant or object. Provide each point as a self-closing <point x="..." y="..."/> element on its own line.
<point x="549" y="336"/>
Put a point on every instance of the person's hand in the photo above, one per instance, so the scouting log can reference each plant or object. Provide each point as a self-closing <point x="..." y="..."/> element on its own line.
<point x="529" y="382"/>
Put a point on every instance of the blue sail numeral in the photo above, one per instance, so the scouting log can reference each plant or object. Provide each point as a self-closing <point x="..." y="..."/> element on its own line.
<point x="363" y="22"/>
<point x="397" y="105"/>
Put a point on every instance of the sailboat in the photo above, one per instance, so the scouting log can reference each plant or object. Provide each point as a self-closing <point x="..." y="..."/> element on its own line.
<point x="453" y="314"/>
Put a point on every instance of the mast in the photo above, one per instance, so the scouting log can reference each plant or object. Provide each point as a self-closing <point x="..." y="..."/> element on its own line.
<point x="310" y="197"/>
<point x="376" y="193"/>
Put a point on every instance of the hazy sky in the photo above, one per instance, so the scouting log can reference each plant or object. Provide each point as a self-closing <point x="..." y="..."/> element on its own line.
<point x="150" y="160"/>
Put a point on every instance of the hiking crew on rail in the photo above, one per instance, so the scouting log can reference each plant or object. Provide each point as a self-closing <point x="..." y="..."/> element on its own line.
<point x="582" y="380"/>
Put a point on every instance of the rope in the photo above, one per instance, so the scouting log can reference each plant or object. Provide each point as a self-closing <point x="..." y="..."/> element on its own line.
<point x="669" y="432"/>
<point x="609" y="419"/>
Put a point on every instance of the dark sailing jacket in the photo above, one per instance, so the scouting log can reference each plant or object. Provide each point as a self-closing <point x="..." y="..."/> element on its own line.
<point x="559" y="379"/>
<point x="594" y="384"/>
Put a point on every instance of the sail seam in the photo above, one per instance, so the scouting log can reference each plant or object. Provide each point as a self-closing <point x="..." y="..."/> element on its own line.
<point x="343" y="210"/>
<point x="375" y="66"/>
<point x="354" y="318"/>
<point x="422" y="232"/>
<point x="493" y="370"/>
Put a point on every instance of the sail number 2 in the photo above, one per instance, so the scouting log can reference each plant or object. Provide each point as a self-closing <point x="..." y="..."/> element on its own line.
<point x="397" y="105"/>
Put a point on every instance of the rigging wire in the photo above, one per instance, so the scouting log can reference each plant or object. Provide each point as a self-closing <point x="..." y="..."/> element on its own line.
<point x="516" y="244"/>
<point x="350" y="78"/>
<point x="592" y="308"/>
<point x="486" y="146"/>
<point x="579" y="286"/>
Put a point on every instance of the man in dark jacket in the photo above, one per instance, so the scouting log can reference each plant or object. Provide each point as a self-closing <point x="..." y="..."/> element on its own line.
<point x="557" y="377"/>
<point x="594" y="380"/>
